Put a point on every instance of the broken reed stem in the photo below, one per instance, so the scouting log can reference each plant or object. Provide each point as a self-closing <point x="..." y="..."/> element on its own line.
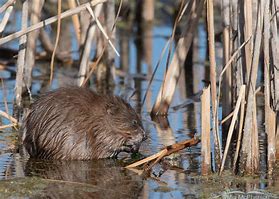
<point x="234" y="118"/>
<point x="166" y="78"/>
<point x="212" y="61"/>
<point x="35" y="10"/>
<point x="205" y="131"/>
<point x="250" y="147"/>
<point x="21" y="55"/>
<point x="270" y="115"/>
<point x="167" y="90"/>
<point x="85" y="57"/>
<point x="166" y="151"/>
<point x="59" y="8"/>
<point x="49" y="21"/>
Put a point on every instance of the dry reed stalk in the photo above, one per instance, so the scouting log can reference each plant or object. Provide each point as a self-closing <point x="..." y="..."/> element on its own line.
<point x="9" y="117"/>
<point x="6" y="5"/>
<point x="166" y="151"/>
<point x="227" y="87"/>
<point x="233" y="122"/>
<point x="238" y="65"/>
<point x="250" y="148"/>
<point x="148" y="10"/>
<point x="227" y="118"/>
<point x="87" y="46"/>
<point x="178" y="56"/>
<point x="94" y="65"/>
<point x="48" y="46"/>
<point x="35" y="17"/>
<point x="271" y="138"/>
<point x="228" y="64"/>
<point x="6" y="18"/>
<point x="255" y="139"/>
<point x="212" y="60"/>
<point x="110" y="55"/>
<point x="248" y="31"/>
<point x="72" y="4"/>
<point x="102" y="29"/>
<point x="59" y="9"/>
<point x="7" y="126"/>
<point x="205" y="132"/>
<point x="275" y="57"/>
<point x="270" y="115"/>
<point x="166" y="91"/>
<point x="240" y="130"/>
<point x="21" y="55"/>
<point x="49" y="21"/>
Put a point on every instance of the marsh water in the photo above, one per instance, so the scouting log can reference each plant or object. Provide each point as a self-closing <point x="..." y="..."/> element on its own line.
<point x="178" y="177"/>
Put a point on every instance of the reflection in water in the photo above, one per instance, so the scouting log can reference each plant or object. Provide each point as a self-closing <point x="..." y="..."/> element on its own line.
<point x="85" y="179"/>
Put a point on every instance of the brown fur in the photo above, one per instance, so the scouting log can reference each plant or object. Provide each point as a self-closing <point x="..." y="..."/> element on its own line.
<point x="77" y="123"/>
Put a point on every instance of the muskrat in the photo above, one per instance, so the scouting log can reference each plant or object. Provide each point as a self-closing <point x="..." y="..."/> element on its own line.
<point x="77" y="123"/>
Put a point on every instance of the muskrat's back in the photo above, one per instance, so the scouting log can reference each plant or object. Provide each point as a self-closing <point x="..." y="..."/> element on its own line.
<point x="77" y="123"/>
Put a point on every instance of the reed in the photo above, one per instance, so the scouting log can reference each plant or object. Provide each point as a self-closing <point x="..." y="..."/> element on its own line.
<point x="205" y="132"/>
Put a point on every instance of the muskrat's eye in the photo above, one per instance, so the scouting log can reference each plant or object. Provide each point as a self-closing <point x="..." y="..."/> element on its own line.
<point x="134" y="122"/>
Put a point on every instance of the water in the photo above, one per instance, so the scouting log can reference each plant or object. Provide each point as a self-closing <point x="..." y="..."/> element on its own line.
<point x="177" y="177"/>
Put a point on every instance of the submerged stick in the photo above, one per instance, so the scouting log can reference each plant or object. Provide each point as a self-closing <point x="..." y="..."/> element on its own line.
<point x="166" y="151"/>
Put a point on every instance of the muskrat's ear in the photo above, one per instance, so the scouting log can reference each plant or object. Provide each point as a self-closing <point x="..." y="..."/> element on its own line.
<point x="112" y="109"/>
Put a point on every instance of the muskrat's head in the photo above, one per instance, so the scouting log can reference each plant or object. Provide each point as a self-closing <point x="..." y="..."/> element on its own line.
<point x="123" y="128"/>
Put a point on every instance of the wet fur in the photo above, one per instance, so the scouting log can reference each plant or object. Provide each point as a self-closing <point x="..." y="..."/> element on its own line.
<point x="77" y="123"/>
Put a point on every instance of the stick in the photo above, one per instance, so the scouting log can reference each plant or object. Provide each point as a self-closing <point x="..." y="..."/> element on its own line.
<point x="13" y="120"/>
<point x="166" y="151"/>
<point x="7" y="126"/>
